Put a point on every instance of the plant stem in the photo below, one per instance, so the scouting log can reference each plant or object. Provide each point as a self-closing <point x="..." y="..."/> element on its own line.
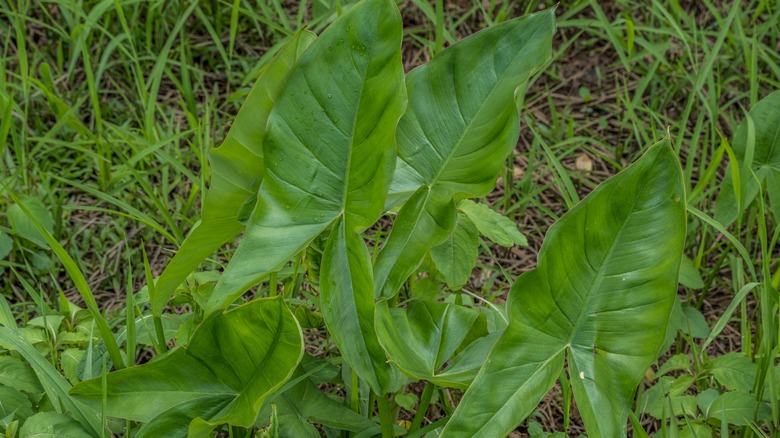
<point x="446" y="405"/>
<point x="273" y="282"/>
<point x="371" y="401"/>
<point x="354" y="394"/>
<point x="103" y="398"/>
<point x="429" y="428"/>
<point x="158" y="328"/>
<point x="130" y="321"/>
<point x="386" y="417"/>
<point x="422" y="407"/>
<point x="439" y="41"/>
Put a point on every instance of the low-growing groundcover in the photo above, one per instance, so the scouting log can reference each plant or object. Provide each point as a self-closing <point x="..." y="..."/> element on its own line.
<point x="354" y="187"/>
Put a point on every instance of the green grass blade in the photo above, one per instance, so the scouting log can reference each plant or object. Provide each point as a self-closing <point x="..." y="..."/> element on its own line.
<point x="724" y="319"/>
<point x="134" y="212"/>
<point x="743" y="252"/>
<point x="80" y="281"/>
<point x="55" y="386"/>
<point x="6" y="316"/>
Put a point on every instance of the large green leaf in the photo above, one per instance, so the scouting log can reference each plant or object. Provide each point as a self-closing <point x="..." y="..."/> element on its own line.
<point x="422" y="223"/>
<point x="461" y="124"/>
<point x="347" y="300"/>
<point x="236" y="172"/>
<point x="330" y="145"/>
<point x="765" y="146"/>
<point x="425" y="335"/>
<point x="234" y="361"/>
<point x="600" y="298"/>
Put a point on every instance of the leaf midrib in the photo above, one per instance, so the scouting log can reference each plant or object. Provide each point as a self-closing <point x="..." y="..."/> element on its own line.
<point x="575" y="327"/>
<point x="586" y="308"/>
<point x="363" y="74"/>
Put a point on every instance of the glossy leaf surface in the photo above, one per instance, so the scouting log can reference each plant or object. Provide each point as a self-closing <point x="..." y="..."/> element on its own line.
<point x="422" y="337"/>
<point x="403" y="250"/>
<point x="600" y="297"/>
<point x="233" y="362"/>
<point x="764" y="141"/>
<point x="348" y="307"/>
<point x="236" y="172"/>
<point x="460" y="125"/>
<point x="330" y="145"/>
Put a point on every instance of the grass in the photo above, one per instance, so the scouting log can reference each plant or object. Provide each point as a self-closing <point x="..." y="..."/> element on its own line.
<point x="107" y="109"/>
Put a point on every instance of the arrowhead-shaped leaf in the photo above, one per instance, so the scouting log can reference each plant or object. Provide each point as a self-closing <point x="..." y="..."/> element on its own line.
<point x="765" y="139"/>
<point x="234" y="361"/>
<point x="330" y="143"/>
<point x="460" y="126"/>
<point x="600" y="297"/>
<point x="236" y="172"/>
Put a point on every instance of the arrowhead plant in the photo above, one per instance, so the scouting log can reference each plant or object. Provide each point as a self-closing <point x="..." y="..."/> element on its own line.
<point x="599" y="300"/>
<point x="334" y="142"/>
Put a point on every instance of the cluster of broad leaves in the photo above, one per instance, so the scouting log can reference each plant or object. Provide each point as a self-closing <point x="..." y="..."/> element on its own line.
<point x="333" y="137"/>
